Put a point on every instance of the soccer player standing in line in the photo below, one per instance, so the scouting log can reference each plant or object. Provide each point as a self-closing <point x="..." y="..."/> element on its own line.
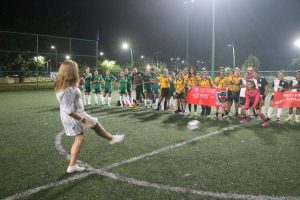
<point x="128" y="77"/>
<point x="87" y="86"/>
<point x="138" y="85"/>
<point x="242" y="97"/>
<point x="233" y="82"/>
<point x="278" y="85"/>
<point x="147" y="80"/>
<point x="192" y="80"/>
<point x="172" y="91"/>
<point x="155" y="86"/>
<point x="122" y="89"/>
<point x="97" y="87"/>
<point x="262" y="86"/>
<point x="221" y="83"/>
<point x="73" y="117"/>
<point x="295" y="87"/>
<point x="179" y="84"/>
<point x="205" y="81"/>
<point x="165" y="81"/>
<point x="107" y="81"/>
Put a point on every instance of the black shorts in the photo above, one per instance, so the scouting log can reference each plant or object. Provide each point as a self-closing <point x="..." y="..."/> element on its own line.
<point x="242" y="101"/>
<point x="179" y="95"/>
<point x="233" y="96"/>
<point x="165" y="92"/>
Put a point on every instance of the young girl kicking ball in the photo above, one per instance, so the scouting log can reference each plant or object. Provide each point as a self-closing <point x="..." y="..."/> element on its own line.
<point x="73" y="117"/>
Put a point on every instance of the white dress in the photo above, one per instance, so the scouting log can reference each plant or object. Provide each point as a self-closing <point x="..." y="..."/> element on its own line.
<point x="70" y="101"/>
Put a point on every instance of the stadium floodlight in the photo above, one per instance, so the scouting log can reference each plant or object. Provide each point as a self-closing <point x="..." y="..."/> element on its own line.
<point x="297" y="43"/>
<point x="172" y="59"/>
<point x="178" y="59"/>
<point x="182" y="62"/>
<point x="101" y="53"/>
<point x="68" y="57"/>
<point x="55" y="49"/>
<point x="126" y="46"/>
<point x="142" y="57"/>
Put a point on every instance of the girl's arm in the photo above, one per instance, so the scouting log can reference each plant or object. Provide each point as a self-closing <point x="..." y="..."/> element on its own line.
<point x="85" y="121"/>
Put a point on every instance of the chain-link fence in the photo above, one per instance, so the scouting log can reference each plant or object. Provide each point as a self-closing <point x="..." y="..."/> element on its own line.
<point x="24" y="55"/>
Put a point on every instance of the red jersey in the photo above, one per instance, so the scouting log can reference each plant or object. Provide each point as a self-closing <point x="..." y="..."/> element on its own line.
<point x="253" y="98"/>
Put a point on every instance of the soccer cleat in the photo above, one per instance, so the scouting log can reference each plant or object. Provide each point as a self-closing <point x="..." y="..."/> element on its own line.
<point x="277" y="119"/>
<point x="224" y="116"/>
<point x="117" y="139"/>
<point x="75" y="168"/>
<point x="266" y="123"/>
<point x="243" y="121"/>
<point x="297" y="120"/>
<point x="289" y="118"/>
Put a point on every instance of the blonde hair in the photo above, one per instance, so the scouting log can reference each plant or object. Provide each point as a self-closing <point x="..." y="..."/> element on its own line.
<point x="67" y="76"/>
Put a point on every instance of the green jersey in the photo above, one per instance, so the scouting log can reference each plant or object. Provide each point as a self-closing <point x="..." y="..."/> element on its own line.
<point x="147" y="79"/>
<point x="122" y="85"/>
<point x="108" y="81"/>
<point x="128" y="77"/>
<point x="87" y="79"/>
<point x="97" y="82"/>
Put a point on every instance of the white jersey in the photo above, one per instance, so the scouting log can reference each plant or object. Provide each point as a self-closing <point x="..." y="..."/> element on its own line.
<point x="70" y="101"/>
<point x="243" y="89"/>
<point x="295" y="83"/>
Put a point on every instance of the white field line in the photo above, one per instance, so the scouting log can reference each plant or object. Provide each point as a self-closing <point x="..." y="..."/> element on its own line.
<point x="103" y="172"/>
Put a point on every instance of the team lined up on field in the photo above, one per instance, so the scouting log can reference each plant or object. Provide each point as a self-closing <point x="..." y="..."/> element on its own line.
<point x="247" y="91"/>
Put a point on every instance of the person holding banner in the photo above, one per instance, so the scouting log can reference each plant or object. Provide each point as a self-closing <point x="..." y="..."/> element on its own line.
<point x="253" y="102"/>
<point x="262" y="86"/>
<point x="179" y="84"/>
<point x="206" y="82"/>
<point x="278" y="85"/>
<point x="295" y="87"/>
<point x="233" y="83"/>
<point x="220" y="83"/>
<point x="192" y="80"/>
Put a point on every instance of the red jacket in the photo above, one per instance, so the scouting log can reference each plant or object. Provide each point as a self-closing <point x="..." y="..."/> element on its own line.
<point x="252" y="97"/>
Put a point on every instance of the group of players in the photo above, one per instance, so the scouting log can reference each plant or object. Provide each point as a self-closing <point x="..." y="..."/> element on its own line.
<point x="247" y="91"/>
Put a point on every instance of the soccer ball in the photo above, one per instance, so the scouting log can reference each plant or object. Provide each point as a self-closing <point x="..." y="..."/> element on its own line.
<point x="193" y="125"/>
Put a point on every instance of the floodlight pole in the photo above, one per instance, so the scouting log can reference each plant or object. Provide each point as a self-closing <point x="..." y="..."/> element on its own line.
<point x="187" y="34"/>
<point x="131" y="56"/>
<point x="37" y="61"/>
<point x="213" y="41"/>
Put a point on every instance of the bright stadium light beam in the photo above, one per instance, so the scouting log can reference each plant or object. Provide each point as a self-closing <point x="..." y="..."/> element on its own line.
<point x="101" y="53"/>
<point x="126" y="46"/>
<point x="68" y="57"/>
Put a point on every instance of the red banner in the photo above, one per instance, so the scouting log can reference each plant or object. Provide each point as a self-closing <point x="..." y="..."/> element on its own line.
<point x="287" y="99"/>
<point x="206" y="96"/>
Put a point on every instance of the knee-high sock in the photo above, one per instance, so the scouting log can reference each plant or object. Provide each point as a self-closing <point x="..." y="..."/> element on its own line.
<point x="165" y="104"/>
<point x="156" y="102"/>
<point x="89" y="99"/>
<point x="171" y="102"/>
<point x="102" y="99"/>
<point x="279" y="112"/>
<point x="264" y="110"/>
<point x="146" y="102"/>
<point x="270" y="111"/>
<point x="239" y="110"/>
<point x="96" y="98"/>
<point x="121" y="101"/>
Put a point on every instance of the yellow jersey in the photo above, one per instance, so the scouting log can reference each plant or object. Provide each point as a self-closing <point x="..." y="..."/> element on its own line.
<point x="221" y="82"/>
<point x="165" y="81"/>
<point x="179" y="85"/>
<point x="206" y="82"/>
<point x="233" y="83"/>
<point x="193" y="80"/>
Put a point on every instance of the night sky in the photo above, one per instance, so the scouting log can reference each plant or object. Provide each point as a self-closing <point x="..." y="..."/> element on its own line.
<point x="266" y="28"/>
